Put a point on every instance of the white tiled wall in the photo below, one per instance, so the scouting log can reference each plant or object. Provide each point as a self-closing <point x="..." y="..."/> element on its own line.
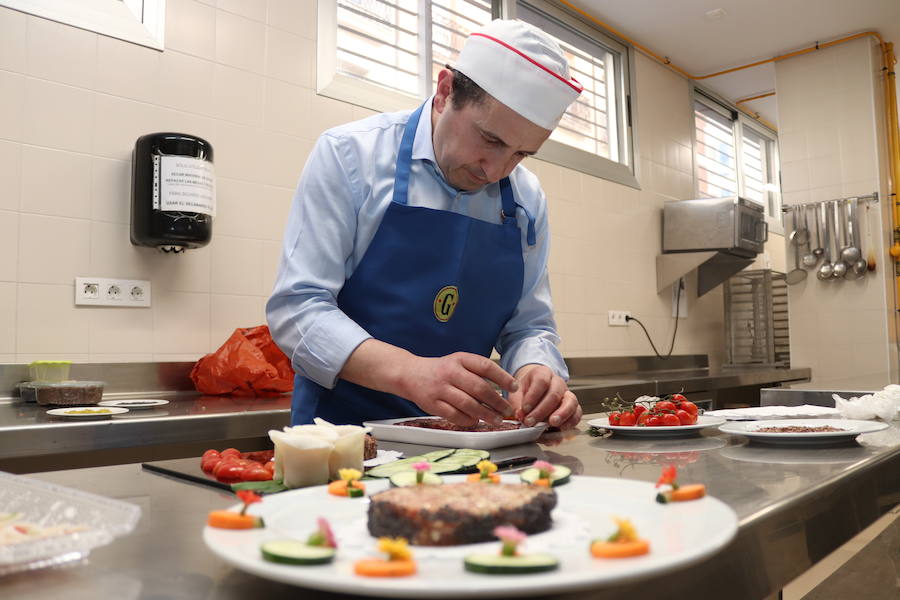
<point x="828" y="120"/>
<point x="240" y="73"/>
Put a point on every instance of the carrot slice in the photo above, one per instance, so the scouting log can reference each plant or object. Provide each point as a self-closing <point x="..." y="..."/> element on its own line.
<point x="545" y="482"/>
<point x="225" y="519"/>
<point x="379" y="567"/>
<point x="339" y="487"/>
<point x="694" y="491"/>
<point x="620" y="549"/>
<point x="476" y="477"/>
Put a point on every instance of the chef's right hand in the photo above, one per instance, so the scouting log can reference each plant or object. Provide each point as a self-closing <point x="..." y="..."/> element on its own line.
<point x="457" y="388"/>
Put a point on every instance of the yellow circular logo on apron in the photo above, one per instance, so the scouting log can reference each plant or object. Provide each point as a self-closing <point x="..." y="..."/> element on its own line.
<point x="445" y="303"/>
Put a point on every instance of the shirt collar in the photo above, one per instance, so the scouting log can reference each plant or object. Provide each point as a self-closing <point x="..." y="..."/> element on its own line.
<point x="423" y="148"/>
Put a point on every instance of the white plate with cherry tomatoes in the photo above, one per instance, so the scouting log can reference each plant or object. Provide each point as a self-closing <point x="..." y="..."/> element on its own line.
<point x="659" y="431"/>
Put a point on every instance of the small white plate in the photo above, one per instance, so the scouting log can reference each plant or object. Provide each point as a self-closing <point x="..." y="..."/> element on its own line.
<point x="666" y="431"/>
<point x="849" y="430"/>
<point x="389" y="431"/>
<point x="136" y="404"/>
<point x="73" y="412"/>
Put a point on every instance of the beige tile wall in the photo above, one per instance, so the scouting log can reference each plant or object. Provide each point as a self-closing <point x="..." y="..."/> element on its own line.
<point x="828" y="107"/>
<point x="240" y="73"/>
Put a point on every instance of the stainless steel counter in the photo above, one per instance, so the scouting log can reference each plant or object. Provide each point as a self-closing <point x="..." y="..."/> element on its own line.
<point x="794" y="506"/>
<point x="191" y="420"/>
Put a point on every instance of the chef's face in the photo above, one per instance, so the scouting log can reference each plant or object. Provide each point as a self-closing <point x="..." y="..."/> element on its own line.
<point x="481" y="142"/>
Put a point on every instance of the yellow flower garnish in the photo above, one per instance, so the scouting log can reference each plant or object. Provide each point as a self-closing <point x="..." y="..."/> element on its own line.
<point x="486" y="467"/>
<point x="349" y="475"/>
<point x="395" y="548"/>
<point x="626" y="531"/>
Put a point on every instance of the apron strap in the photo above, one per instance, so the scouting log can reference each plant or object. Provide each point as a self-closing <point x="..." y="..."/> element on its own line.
<point x="509" y="209"/>
<point x="404" y="157"/>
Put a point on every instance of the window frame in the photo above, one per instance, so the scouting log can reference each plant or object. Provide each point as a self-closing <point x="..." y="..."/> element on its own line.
<point x="739" y="121"/>
<point x="105" y="17"/>
<point x="334" y="85"/>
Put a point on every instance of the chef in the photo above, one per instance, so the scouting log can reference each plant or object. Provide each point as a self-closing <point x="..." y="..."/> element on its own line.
<point x="416" y="244"/>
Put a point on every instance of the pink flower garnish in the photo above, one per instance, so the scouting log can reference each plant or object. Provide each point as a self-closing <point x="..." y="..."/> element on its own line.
<point x="544" y="468"/>
<point x="327" y="533"/>
<point x="510" y="537"/>
<point x="421" y="466"/>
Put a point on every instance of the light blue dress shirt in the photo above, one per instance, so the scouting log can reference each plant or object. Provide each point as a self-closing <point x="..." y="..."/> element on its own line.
<point x="346" y="186"/>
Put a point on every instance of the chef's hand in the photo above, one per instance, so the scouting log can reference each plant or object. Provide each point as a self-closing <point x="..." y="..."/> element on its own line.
<point x="544" y="396"/>
<point x="457" y="388"/>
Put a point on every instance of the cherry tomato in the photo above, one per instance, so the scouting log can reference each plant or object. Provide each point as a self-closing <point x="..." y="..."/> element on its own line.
<point x="256" y="473"/>
<point x="670" y="420"/>
<point x="230" y="472"/>
<point x="270" y="467"/>
<point x="642" y="420"/>
<point x="614" y="418"/>
<point x="209" y="463"/>
<point x="664" y="406"/>
<point x="209" y="453"/>
<point x="639" y="409"/>
<point x="627" y="419"/>
<point x="676" y="398"/>
<point x="684" y="418"/>
<point x="693" y="419"/>
<point x="654" y="421"/>
<point x="231" y="452"/>
<point x="689" y="407"/>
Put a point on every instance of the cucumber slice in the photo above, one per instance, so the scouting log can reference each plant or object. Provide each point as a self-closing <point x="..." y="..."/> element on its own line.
<point x="436" y="455"/>
<point x="393" y="467"/>
<point x="407" y="478"/>
<point x="559" y="476"/>
<point x="294" y="552"/>
<point x="497" y="564"/>
<point x="481" y="454"/>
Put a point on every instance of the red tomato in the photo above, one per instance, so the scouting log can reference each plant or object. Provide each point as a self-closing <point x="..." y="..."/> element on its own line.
<point x="226" y="462"/>
<point x="256" y="473"/>
<point x="628" y="419"/>
<point x="270" y="467"/>
<point x="639" y="409"/>
<point x="642" y="420"/>
<point x="676" y="398"/>
<point x="693" y="419"/>
<point x="670" y="420"/>
<point x="209" y="453"/>
<point x="229" y="472"/>
<point x="262" y="456"/>
<point x="689" y="407"/>
<point x="664" y="405"/>
<point x="614" y="418"/>
<point x="684" y="418"/>
<point x="654" y="421"/>
<point x="209" y="463"/>
<point x="231" y="452"/>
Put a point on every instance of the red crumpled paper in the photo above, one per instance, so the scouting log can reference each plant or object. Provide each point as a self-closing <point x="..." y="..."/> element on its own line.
<point x="247" y="364"/>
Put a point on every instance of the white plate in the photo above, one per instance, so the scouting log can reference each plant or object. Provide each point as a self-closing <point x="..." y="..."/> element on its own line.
<point x="69" y="412"/>
<point x="388" y="431"/>
<point x="851" y="429"/>
<point x="136" y="404"/>
<point x="774" y="412"/>
<point x="668" y="431"/>
<point x="679" y="534"/>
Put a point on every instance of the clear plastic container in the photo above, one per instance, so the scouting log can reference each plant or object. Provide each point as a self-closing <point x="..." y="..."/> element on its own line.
<point x="98" y="519"/>
<point x="64" y="393"/>
<point x="49" y="370"/>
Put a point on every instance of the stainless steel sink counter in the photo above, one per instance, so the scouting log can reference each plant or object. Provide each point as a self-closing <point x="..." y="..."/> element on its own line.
<point x="794" y="507"/>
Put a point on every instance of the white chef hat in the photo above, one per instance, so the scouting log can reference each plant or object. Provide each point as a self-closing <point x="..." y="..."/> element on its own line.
<point x="522" y="67"/>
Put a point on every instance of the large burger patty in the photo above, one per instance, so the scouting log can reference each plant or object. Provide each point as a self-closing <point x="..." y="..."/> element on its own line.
<point x="459" y="513"/>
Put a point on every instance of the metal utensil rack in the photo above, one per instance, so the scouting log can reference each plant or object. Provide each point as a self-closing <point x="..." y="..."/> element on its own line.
<point x="756" y="319"/>
<point x="873" y="197"/>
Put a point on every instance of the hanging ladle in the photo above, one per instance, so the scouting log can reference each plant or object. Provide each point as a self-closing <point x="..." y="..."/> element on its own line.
<point x="860" y="266"/>
<point x="820" y="229"/>
<point x="850" y="253"/>
<point x="796" y="275"/>
<point x="809" y="259"/>
<point x="826" y="269"/>
<point x="839" y="269"/>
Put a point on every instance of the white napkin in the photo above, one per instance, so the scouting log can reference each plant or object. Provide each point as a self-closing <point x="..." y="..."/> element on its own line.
<point x="884" y="404"/>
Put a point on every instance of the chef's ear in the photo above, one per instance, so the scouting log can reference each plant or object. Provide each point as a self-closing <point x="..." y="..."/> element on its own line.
<point x="443" y="90"/>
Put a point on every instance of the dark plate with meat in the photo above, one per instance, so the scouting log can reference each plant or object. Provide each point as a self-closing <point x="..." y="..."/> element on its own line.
<point x="436" y="431"/>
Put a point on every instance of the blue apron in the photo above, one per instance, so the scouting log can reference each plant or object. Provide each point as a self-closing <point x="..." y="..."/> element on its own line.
<point x="433" y="282"/>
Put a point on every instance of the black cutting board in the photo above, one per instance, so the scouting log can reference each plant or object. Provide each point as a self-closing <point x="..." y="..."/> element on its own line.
<point x="186" y="469"/>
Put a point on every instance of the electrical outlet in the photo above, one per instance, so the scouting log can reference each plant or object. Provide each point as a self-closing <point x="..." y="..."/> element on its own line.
<point x="102" y="291"/>
<point x="617" y="318"/>
<point x="679" y="304"/>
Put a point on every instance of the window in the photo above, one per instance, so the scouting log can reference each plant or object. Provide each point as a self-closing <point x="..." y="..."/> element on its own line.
<point x="139" y="21"/>
<point x="734" y="155"/>
<point x="386" y="55"/>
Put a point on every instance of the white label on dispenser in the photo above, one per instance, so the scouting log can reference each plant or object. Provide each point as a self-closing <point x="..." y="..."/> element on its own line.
<point x="184" y="184"/>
